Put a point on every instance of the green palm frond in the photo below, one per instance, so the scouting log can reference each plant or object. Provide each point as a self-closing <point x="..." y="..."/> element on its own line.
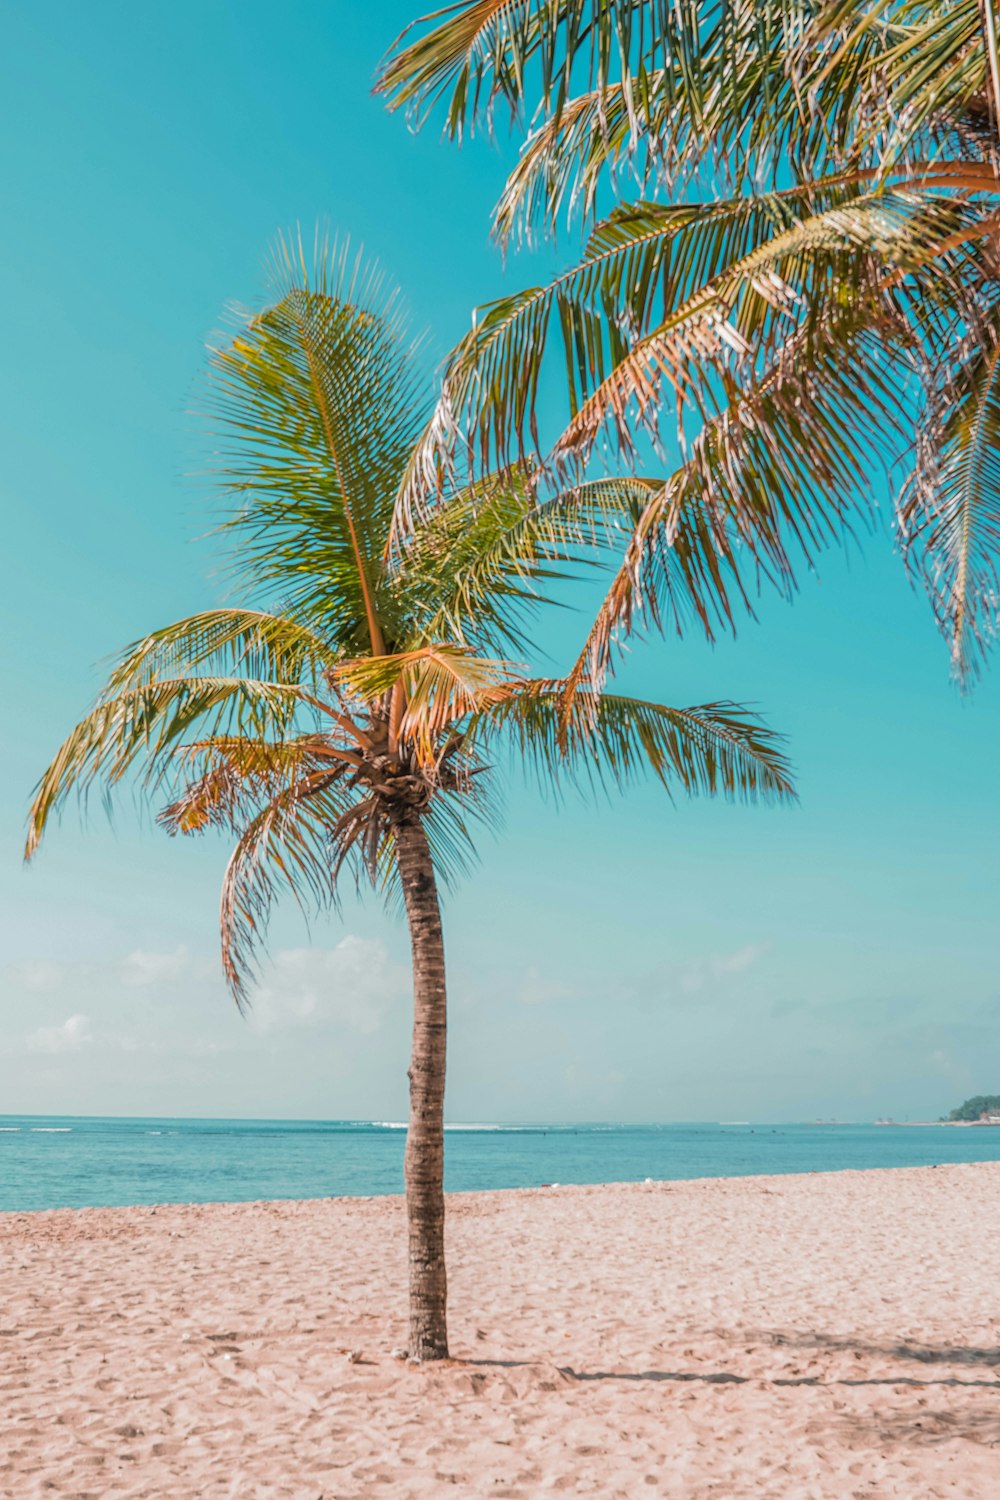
<point x="781" y="404"/>
<point x="480" y="563"/>
<point x="264" y="646"/>
<point x="567" y="157"/>
<point x="316" y="397"/>
<point x="484" y="555"/>
<point x="776" y="339"/>
<point x="484" y="51"/>
<point x="740" y="88"/>
<point x="755" y="105"/>
<point x="883" y="115"/>
<point x="143" y="727"/>
<point x="774" y="478"/>
<point x="450" y="824"/>
<point x="744" y="317"/>
<point x="929" y="62"/>
<point x="608" y="739"/>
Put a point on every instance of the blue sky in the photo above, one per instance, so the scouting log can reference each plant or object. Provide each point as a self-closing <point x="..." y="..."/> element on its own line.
<point x="636" y="961"/>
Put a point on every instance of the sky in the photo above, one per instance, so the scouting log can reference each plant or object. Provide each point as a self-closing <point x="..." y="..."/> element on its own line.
<point x="633" y="961"/>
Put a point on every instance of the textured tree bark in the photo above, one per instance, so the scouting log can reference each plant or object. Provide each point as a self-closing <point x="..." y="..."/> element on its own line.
<point x="425" y="1135"/>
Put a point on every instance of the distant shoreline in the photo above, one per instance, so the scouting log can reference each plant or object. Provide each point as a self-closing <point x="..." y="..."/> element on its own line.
<point x="962" y="1124"/>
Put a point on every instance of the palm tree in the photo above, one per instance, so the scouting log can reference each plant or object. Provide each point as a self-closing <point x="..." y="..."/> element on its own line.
<point x="803" y="298"/>
<point x="357" y="725"/>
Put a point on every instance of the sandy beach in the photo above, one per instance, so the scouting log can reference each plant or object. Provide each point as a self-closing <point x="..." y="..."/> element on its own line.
<point x="822" y="1335"/>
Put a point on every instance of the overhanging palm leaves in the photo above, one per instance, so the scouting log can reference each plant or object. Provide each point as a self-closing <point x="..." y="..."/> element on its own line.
<point x="859" y="139"/>
<point x="765" y="374"/>
<point x="950" y="508"/>
<point x="730" y="82"/>
<point x="480" y="52"/>
<point x="686" y="298"/>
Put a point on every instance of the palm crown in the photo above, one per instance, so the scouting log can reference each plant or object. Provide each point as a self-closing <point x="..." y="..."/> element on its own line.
<point x="382" y="682"/>
<point x="803" y="299"/>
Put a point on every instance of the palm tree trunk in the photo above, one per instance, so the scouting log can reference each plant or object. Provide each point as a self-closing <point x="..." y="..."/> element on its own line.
<point x="425" y="1136"/>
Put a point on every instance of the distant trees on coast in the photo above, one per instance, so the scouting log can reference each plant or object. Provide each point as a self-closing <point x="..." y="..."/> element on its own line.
<point x="978" y="1105"/>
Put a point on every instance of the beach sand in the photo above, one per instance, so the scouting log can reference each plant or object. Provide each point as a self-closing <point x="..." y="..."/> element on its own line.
<point x="811" y="1336"/>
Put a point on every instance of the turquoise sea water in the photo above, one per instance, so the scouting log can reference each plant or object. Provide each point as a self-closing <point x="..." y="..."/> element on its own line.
<point x="52" y="1162"/>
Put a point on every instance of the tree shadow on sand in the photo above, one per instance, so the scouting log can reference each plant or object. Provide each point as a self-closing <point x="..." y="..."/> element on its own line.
<point x="721" y="1377"/>
<point x="829" y="1343"/>
<point x="815" y="1342"/>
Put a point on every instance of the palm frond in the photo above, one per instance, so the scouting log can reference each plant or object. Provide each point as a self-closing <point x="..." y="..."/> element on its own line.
<point x="746" y="89"/>
<point x="482" y="52"/>
<point x="610" y="739"/>
<point x="229" y="777"/>
<point x="788" y="371"/>
<point x="485" y="558"/>
<point x="483" y="554"/>
<point x="566" y="158"/>
<point x="679" y="297"/>
<point x="317" y="405"/>
<point x="291" y="846"/>
<point x="449" y="825"/>
<point x="741" y="318"/>
<point x="143" y="727"/>
<point x="778" y="475"/>
<point x="264" y="646"/>
<point x="930" y="64"/>
<point x="788" y="362"/>
<point x="949" y="514"/>
<point x="753" y="104"/>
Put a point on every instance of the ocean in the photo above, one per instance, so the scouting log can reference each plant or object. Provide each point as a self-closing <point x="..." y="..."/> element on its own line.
<point x="56" y="1162"/>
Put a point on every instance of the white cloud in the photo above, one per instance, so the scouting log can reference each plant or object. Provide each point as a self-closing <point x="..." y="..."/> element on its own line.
<point x="144" y="968"/>
<point x="36" y="975"/>
<point x="693" y="979"/>
<point x="71" y="1036"/>
<point x="355" y="984"/>
<point x="152" y="1030"/>
<point x="535" y="990"/>
<point x="701" y="971"/>
<point x="141" y="968"/>
<point x="743" y="958"/>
